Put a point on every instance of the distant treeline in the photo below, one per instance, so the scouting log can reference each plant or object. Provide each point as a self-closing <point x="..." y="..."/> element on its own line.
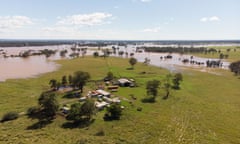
<point x="30" y="43"/>
<point x="49" y="43"/>
<point x="178" y="49"/>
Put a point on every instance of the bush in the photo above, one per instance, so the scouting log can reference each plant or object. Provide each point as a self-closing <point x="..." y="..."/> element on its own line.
<point x="32" y="111"/>
<point x="114" y="112"/>
<point x="139" y="109"/>
<point x="100" y="133"/>
<point x="10" y="116"/>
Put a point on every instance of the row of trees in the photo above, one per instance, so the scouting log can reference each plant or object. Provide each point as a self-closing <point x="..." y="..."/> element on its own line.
<point x="78" y="80"/>
<point x="169" y="82"/>
<point x="183" y="50"/>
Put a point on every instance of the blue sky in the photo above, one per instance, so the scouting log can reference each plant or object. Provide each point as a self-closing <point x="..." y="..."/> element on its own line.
<point x="120" y="19"/>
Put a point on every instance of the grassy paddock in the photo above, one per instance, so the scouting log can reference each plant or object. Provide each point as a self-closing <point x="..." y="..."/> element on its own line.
<point x="205" y="110"/>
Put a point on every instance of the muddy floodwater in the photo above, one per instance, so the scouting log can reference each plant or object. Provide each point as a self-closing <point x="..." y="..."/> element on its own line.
<point x="17" y="67"/>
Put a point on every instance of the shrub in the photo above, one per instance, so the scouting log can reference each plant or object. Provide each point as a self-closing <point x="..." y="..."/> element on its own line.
<point x="32" y="111"/>
<point x="100" y="133"/>
<point x="10" y="116"/>
<point x="114" y="112"/>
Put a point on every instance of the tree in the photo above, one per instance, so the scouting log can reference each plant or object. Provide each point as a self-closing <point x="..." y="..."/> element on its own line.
<point x="80" y="78"/>
<point x="120" y="53"/>
<point x="48" y="104"/>
<point x="114" y="112"/>
<point x="88" y="109"/>
<point x="53" y="84"/>
<point x="81" y="113"/>
<point x="176" y="80"/>
<point x="146" y="61"/>
<point x="63" y="53"/>
<point x="75" y="113"/>
<point x="70" y="79"/>
<point x="167" y="85"/>
<point x="95" y="54"/>
<point x="64" y="80"/>
<point x="235" y="67"/>
<point x="132" y="61"/>
<point x="152" y="88"/>
<point x="109" y="76"/>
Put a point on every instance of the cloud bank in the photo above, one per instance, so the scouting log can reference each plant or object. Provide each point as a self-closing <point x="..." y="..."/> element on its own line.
<point x="210" y="19"/>
<point x="9" y="23"/>
<point x="92" y="19"/>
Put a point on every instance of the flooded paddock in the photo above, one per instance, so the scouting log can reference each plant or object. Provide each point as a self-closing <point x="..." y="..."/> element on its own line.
<point x="17" y="67"/>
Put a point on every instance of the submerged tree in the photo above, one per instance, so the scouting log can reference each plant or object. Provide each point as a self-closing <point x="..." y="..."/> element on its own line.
<point x="235" y="67"/>
<point x="95" y="54"/>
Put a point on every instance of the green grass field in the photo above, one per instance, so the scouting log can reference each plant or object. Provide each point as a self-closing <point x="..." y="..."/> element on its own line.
<point x="205" y="110"/>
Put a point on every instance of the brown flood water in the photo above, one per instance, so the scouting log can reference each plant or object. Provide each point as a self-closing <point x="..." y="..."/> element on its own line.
<point x="12" y="68"/>
<point x="16" y="67"/>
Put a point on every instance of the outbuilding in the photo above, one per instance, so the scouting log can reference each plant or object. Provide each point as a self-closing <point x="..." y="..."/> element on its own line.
<point x="123" y="82"/>
<point x="103" y="93"/>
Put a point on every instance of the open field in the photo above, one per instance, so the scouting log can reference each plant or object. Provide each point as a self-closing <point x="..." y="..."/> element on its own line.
<point x="234" y="55"/>
<point x="205" y="110"/>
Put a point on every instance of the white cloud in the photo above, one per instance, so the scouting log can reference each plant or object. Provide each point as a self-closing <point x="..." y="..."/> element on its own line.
<point x="214" y="18"/>
<point x="145" y="0"/>
<point x="59" y="29"/>
<point x="210" y="19"/>
<point x="97" y="18"/>
<point x="9" y="23"/>
<point x="204" y="19"/>
<point x="152" y="30"/>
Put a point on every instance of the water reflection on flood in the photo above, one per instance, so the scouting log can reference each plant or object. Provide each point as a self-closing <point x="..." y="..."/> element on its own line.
<point x="16" y="67"/>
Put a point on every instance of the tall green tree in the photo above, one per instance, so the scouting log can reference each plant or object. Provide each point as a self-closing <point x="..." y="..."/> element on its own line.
<point x="152" y="88"/>
<point x="53" y="84"/>
<point x="80" y="79"/>
<point x="48" y="104"/>
<point x="177" y="78"/>
<point x="70" y="79"/>
<point x="167" y="85"/>
<point x="114" y="112"/>
<point x="64" y="80"/>
<point x="81" y="113"/>
<point x="88" y="109"/>
<point x="75" y="114"/>
<point x="132" y="61"/>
